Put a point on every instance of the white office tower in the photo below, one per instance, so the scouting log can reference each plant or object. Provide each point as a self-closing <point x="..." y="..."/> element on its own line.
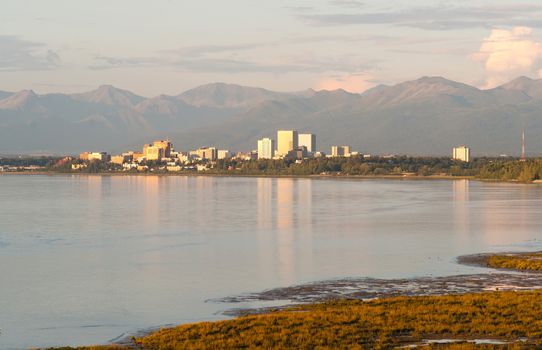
<point x="266" y="148"/>
<point x="461" y="153"/>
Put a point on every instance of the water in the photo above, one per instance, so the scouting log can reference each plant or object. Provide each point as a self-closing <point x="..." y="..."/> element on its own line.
<point x="84" y="259"/>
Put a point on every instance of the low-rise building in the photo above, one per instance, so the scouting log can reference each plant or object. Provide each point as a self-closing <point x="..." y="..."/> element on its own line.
<point x="298" y="153"/>
<point x="205" y="153"/>
<point x="174" y="168"/>
<point x="121" y="159"/>
<point x="84" y="155"/>
<point x="101" y="156"/>
<point x="129" y="166"/>
<point x="340" y="151"/>
<point x="247" y="155"/>
<point x="223" y="154"/>
<point x="79" y="166"/>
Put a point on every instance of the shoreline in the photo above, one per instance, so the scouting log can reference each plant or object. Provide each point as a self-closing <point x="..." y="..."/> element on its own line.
<point x="263" y="176"/>
<point x="348" y="295"/>
<point x="315" y="176"/>
<point x="364" y="290"/>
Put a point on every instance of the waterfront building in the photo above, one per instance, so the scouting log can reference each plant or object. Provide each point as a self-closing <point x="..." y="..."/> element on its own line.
<point x="79" y="166"/>
<point x="252" y="155"/>
<point x="174" y="168"/>
<point x="307" y="140"/>
<point x="185" y="158"/>
<point x="138" y="156"/>
<point x="122" y="158"/>
<point x="102" y="156"/>
<point x="84" y="155"/>
<point x="266" y="148"/>
<point x="223" y="154"/>
<point x="319" y="154"/>
<point x="153" y="152"/>
<point x="461" y="153"/>
<point x="340" y="151"/>
<point x="165" y="145"/>
<point x="205" y="153"/>
<point x="286" y="142"/>
<point x="298" y="153"/>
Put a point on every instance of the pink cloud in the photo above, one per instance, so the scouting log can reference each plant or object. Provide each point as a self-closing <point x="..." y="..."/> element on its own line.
<point x="350" y="82"/>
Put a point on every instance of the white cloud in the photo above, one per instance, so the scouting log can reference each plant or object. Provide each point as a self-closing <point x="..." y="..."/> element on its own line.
<point x="507" y="54"/>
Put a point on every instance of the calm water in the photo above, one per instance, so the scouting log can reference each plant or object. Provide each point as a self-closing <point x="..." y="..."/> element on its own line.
<point x="84" y="259"/>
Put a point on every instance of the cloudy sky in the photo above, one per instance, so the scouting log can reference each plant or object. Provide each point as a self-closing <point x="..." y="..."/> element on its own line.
<point x="168" y="46"/>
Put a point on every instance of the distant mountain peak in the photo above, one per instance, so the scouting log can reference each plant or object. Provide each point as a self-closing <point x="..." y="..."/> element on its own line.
<point x="529" y="86"/>
<point x="223" y="95"/>
<point x="110" y="95"/>
<point x="19" y="100"/>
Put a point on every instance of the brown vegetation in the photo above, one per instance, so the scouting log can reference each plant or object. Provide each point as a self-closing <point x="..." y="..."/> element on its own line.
<point x="516" y="261"/>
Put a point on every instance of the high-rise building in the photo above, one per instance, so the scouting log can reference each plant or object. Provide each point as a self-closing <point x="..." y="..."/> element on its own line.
<point x="165" y="145"/>
<point x="266" y="148"/>
<point x="307" y="140"/>
<point x="153" y="152"/>
<point x="286" y="142"/>
<point x="461" y="153"/>
<point x="340" y="151"/>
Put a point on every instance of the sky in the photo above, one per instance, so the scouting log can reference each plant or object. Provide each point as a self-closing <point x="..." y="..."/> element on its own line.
<point x="169" y="46"/>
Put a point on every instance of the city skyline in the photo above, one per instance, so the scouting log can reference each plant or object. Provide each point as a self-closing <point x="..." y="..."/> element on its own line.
<point x="270" y="174"/>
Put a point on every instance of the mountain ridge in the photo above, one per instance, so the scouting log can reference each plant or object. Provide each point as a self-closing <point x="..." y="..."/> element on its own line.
<point x="423" y="116"/>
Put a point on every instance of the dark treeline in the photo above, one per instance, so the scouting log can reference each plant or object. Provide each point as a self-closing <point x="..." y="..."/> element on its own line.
<point x="482" y="168"/>
<point x="28" y="161"/>
<point x="375" y="166"/>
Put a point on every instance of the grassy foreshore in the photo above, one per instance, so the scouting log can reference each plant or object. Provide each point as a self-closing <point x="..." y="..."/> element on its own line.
<point x="530" y="261"/>
<point x="490" y="320"/>
<point x="513" y="318"/>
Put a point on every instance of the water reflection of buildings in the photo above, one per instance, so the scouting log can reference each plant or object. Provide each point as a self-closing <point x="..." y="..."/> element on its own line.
<point x="461" y="205"/>
<point x="507" y="210"/>
<point x="95" y="201"/>
<point x="285" y="223"/>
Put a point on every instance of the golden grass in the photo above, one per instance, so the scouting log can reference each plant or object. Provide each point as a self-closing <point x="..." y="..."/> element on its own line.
<point x="517" y="261"/>
<point x="378" y="324"/>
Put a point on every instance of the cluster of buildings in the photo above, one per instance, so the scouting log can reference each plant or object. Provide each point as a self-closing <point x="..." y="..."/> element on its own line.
<point x="289" y="144"/>
<point x="294" y="145"/>
<point x="160" y="151"/>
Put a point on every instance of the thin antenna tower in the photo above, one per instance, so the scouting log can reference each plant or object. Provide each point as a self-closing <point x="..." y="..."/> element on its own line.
<point x="523" y="145"/>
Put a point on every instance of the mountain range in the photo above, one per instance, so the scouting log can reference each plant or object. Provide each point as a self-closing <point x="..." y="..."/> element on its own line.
<point x="427" y="116"/>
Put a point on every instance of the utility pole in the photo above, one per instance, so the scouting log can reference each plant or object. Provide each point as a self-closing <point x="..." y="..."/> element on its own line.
<point x="523" y="146"/>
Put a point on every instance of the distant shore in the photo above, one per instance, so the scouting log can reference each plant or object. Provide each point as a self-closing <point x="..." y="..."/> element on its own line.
<point x="315" y="176"/>
<point x="278" y="176"/>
